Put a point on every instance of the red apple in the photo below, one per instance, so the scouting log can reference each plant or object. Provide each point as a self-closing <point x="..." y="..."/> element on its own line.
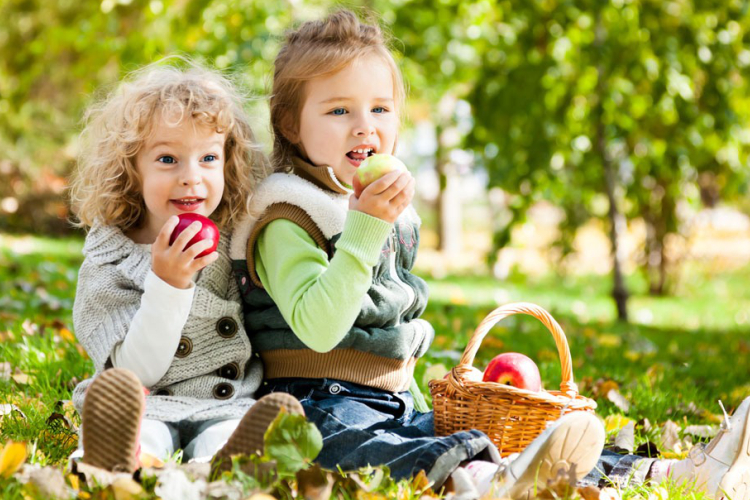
<point x="373" y="168"/>
<point x="512" y="368"/>
<point x="208" y="231"/>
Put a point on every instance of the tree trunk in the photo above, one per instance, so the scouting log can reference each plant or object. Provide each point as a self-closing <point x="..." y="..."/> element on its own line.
<point x="655" y="257"/>
<point x="659" y="221"/>
<point x="617" y="221"/>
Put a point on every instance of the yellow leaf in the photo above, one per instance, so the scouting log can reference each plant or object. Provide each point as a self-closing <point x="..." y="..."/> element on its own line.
<point x="659" y="493"/>
<point x="20" y="378"/>
<point x="125" y="488"/>
<point x="457" y="296"/>
<point x="12" y="456"/>
<point x="364" y="495"/>
<point x="74" y="482"/>
<point x="67" y="335"/>
<point x="632" y="356"/>
<point x="610" y="340"/>
<point x="148" y="460"/>
<point x="615" y="422"/>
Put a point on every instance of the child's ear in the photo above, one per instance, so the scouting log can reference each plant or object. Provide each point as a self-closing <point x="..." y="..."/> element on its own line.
<point x="289" y="129"/>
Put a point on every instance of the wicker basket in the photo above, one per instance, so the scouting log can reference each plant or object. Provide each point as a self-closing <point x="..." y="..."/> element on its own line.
<point x="511" y="417"/>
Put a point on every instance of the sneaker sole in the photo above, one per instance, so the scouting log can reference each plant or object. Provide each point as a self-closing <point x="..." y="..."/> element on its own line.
<point x="112" y="412"/>
<point x="578" y="441"/>
<point x="248" y="437"/>
<point x="735" y="484"/>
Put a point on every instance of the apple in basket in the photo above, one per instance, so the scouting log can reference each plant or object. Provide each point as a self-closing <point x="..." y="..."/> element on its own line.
<point x="207" y="231"/>
<point x="512" y="368"/>
<point x="474" y="375"/>
<point x="373" y="168"/>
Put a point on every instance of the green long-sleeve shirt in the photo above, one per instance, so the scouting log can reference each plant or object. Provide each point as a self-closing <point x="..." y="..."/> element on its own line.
<point x="321" y="298"/>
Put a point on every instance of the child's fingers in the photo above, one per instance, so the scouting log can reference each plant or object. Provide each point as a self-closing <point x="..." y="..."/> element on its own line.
<point x="162" y="239"/>
<point x="204" y="261"/>
<point x="196" y="249"/>
<point x="186" y="235"/>
<point x="398" y="186"/>
<point x="382" y="184"/>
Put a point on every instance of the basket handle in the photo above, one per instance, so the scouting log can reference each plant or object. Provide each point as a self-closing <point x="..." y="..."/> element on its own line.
<point x="567" y="386"/>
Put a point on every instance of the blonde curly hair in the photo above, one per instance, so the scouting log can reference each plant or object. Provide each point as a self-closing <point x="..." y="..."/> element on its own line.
<point x="319" y="48"/>
<point x="106" y="187"/>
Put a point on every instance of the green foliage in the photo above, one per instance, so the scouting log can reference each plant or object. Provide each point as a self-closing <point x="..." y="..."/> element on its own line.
<point x="655" y="88"/>
<point x="292" y="442"/>
<point x="682" y="354"/>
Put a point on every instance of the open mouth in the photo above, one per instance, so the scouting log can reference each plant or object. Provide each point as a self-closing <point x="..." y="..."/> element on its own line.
<point x="359" y="155"/>
<point x="187" y="204"/>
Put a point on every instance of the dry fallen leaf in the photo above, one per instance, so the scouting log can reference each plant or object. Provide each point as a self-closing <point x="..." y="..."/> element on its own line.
<point x="314" y="483"/>
<point x="20" y="378"/>
<point x="125" y="488"/>
<point x="7" y="409"/>
<point x="49" y="482"/>
<point x="619" y="400"/>
<point x="589" y="492"/>
<point x="174" y="485"/>
<point x="626" y="437"/>
<point x="150" y="461"/>
<point x="669" y="435"/>
<point x="12" y="456"/>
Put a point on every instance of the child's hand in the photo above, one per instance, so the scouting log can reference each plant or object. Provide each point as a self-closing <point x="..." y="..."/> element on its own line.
<point x="175" y="264"/>
<point x="387" y="197"/>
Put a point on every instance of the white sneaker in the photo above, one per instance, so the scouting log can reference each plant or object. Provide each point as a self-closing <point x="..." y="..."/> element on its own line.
<point x="576" y="438"/>
<point x="722" y="467"/>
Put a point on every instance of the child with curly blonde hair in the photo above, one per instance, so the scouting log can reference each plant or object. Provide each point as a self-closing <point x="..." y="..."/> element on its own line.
<point x="172" y="139"/>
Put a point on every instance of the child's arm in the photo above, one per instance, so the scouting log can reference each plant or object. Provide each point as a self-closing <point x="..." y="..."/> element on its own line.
<point x="154" y="333"/>
<point x="320" y="299"/>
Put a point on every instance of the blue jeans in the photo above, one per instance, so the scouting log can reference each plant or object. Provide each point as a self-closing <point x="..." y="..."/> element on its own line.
<point x="364" y="426"/>
<point x="614" y="469"/>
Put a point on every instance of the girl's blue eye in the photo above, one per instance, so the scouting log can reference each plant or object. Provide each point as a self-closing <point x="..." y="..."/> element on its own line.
<point x="379" y="109"/>
<point x="338" y="111"/>
<point x="209" y="158"/>
<point x="167" y="159"/>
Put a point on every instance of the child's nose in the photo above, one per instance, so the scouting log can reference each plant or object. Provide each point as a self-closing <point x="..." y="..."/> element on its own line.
<point x="191" y="175"/>
<point x="363" y="127"/>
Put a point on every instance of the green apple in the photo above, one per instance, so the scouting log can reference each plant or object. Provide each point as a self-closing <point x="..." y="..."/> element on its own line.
<point x="376" y="166"/>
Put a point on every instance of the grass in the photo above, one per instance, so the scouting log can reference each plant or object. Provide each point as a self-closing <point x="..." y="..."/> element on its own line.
<point x="673" y="362"/>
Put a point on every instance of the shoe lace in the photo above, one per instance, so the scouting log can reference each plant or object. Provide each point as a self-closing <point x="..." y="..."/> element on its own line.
<point x="725" y="424"/>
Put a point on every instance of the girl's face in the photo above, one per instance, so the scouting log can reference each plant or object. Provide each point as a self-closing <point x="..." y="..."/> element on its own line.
<point x="182" y="170"/>
<point x="348" y="116"/>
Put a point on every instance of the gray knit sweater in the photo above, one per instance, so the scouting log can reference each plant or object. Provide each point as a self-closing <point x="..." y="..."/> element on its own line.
<point x="214" y="373"/>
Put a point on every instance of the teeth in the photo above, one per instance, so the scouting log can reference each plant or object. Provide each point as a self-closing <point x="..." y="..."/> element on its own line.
<point x="363" y="151"/>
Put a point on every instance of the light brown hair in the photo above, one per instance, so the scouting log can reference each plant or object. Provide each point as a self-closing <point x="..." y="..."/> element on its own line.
<point x="319" y="48"/>
<point x="106" y="187"/>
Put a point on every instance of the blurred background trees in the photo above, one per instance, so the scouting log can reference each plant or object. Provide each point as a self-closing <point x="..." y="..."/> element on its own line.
<point x="620" y="112"/>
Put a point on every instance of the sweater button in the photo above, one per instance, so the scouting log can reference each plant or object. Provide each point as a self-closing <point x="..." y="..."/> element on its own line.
<point x="227" y="327"/>
<point x="223" y="391"/>
<point x="230" y="371"/>
<point x="335" y="389"/>
<point x="184" y="348"/>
